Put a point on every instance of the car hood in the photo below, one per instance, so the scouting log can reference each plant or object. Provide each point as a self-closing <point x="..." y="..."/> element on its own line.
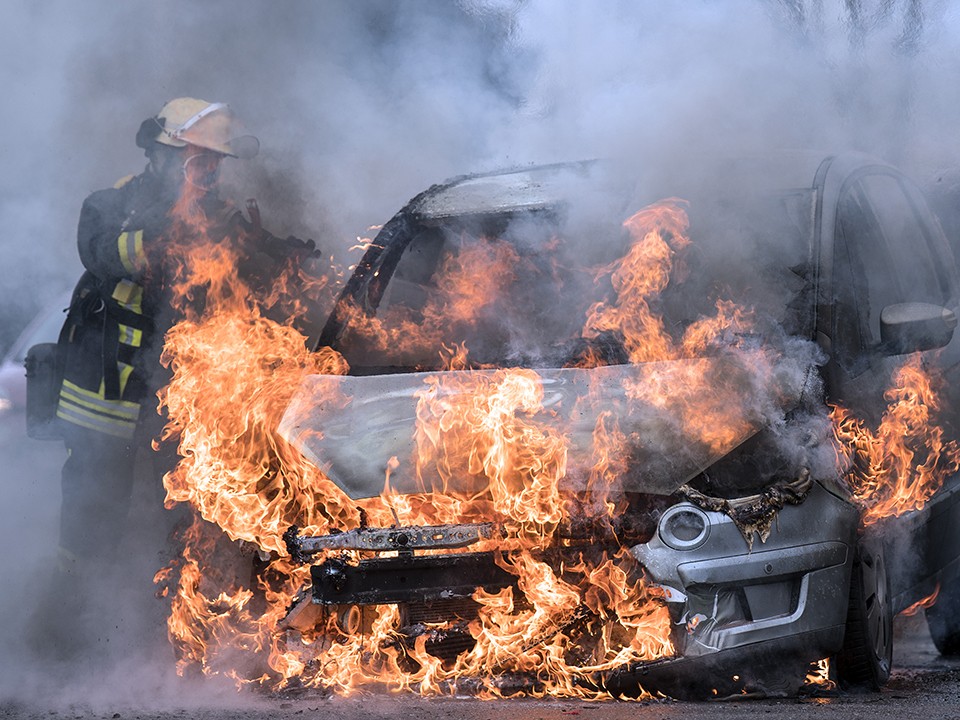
<point x="675" y="419"/>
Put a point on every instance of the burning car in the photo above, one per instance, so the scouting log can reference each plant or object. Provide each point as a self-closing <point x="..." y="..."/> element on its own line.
<point x="690" y="452"/>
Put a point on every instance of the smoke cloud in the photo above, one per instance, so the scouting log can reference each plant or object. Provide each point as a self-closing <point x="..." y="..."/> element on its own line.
<point x="359" y="106"/>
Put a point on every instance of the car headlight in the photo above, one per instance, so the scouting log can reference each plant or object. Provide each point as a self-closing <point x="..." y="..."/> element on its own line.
<point x="684" y="527"/>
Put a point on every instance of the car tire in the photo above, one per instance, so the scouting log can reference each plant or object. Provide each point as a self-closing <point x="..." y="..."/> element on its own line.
<point x="867" y="654"/>
<point x="943" y="622"/>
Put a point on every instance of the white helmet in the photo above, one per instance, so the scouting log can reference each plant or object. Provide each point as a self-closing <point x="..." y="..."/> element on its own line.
<point x="189" y="121"/>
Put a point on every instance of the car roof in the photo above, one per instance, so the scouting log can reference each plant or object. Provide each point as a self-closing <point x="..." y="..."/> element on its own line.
<point x="541" y="187"/>
<point x="517" y="189"/>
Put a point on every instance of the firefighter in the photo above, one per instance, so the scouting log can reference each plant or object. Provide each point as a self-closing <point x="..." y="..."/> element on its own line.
<point x="120" y="310"/>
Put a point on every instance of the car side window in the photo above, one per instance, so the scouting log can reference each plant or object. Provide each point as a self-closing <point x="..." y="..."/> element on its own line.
<point x="413" y="279"/>
<point x="905" y="236"/>
<point x="874" y="281"/>
<point x="881" y="257"/>
<point x="392" y="340"/>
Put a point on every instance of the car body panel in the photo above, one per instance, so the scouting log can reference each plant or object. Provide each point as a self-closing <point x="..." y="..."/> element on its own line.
<point x="732" y="593"/>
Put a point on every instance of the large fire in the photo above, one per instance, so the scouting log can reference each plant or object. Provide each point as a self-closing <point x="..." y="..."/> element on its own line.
<point x="900" y="465"/>
<point x="235" y="367"/>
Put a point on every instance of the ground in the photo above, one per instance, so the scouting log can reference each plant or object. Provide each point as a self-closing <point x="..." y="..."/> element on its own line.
<point x="923" y="685"/>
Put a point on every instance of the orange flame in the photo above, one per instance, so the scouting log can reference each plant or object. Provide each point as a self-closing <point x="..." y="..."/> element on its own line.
<point x="927" y="602"/>
<point x="819" y="675"/>
<point x="236" y="360"/>
<point x="898" y="467"/>
<point x="234" y="371"/>
<point x="467" y="284"/>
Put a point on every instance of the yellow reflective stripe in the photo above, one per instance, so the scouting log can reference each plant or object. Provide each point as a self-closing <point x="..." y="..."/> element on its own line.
<point x="138" y="254"/>
<point x="130" y="248"/>
<point x="118" y="411"/>
<point x="123" y="181"/>
<point x="83" y="392"/>
<point x="92" y="415"/>
<point x="129" y="295"/>
<point x="125" y="252"/>
<point x="125" y="372"/>
<point x="120" y="430"/>
<point x="123" y="247"/>
<point x="122" y="408"/>
<point x="123" y="291"/>
<point x="130" y="336"/>
<point x="72" y="401"/>
<point x="86" y="409"/>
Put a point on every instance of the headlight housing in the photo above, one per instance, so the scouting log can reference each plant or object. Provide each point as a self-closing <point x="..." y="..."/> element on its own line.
<point x="684" y="527"/>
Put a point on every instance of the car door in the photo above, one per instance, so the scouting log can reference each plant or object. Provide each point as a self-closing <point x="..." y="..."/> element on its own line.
<point x="880" y="247"/>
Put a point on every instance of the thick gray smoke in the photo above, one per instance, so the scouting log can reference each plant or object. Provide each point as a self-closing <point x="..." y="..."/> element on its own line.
<point x="359" y="106"/>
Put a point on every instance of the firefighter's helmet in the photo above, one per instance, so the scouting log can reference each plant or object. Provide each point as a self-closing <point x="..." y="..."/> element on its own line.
<point x="189" y="121"/>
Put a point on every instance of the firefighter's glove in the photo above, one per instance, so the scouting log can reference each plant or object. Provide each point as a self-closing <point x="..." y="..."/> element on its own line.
<point x="304" y="247"/>
<point x="267" y="257"/>
<point x="300" y="248"/>
<point x="290" y="248"/>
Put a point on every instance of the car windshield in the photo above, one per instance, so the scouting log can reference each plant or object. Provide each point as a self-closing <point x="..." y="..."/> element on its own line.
<point x="519" y="288"/>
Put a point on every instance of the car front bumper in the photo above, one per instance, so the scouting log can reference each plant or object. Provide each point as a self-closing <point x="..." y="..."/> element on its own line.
<point x="742" y="612"/>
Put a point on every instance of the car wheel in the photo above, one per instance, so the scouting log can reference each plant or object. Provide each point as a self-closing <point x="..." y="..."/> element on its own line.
<point x="943" y="621"/>
<point x="867" y="650"/>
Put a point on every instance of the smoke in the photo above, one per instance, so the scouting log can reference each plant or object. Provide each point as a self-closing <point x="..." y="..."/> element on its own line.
<point x="742" y="78"/>
<point x="359" y="106"/>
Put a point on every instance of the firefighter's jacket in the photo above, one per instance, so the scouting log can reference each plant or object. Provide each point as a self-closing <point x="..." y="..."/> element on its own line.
<point x="118" y="315"/>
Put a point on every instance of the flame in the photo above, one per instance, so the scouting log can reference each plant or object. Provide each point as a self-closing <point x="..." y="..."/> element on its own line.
<point x="819" y="676"/>
<point x="899" y="466"/>
<point x="481" y="430"/>
<point x="487" y="450"/>
<point x="659" y="234"/>
<point x="234" y="368"/>
<point x="469" y="283"/>
<point x="654" y="260"/>
<point x="927" y="602"/>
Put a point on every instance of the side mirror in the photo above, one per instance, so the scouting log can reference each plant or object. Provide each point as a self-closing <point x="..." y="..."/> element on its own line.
<point x="912" y="327"/>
